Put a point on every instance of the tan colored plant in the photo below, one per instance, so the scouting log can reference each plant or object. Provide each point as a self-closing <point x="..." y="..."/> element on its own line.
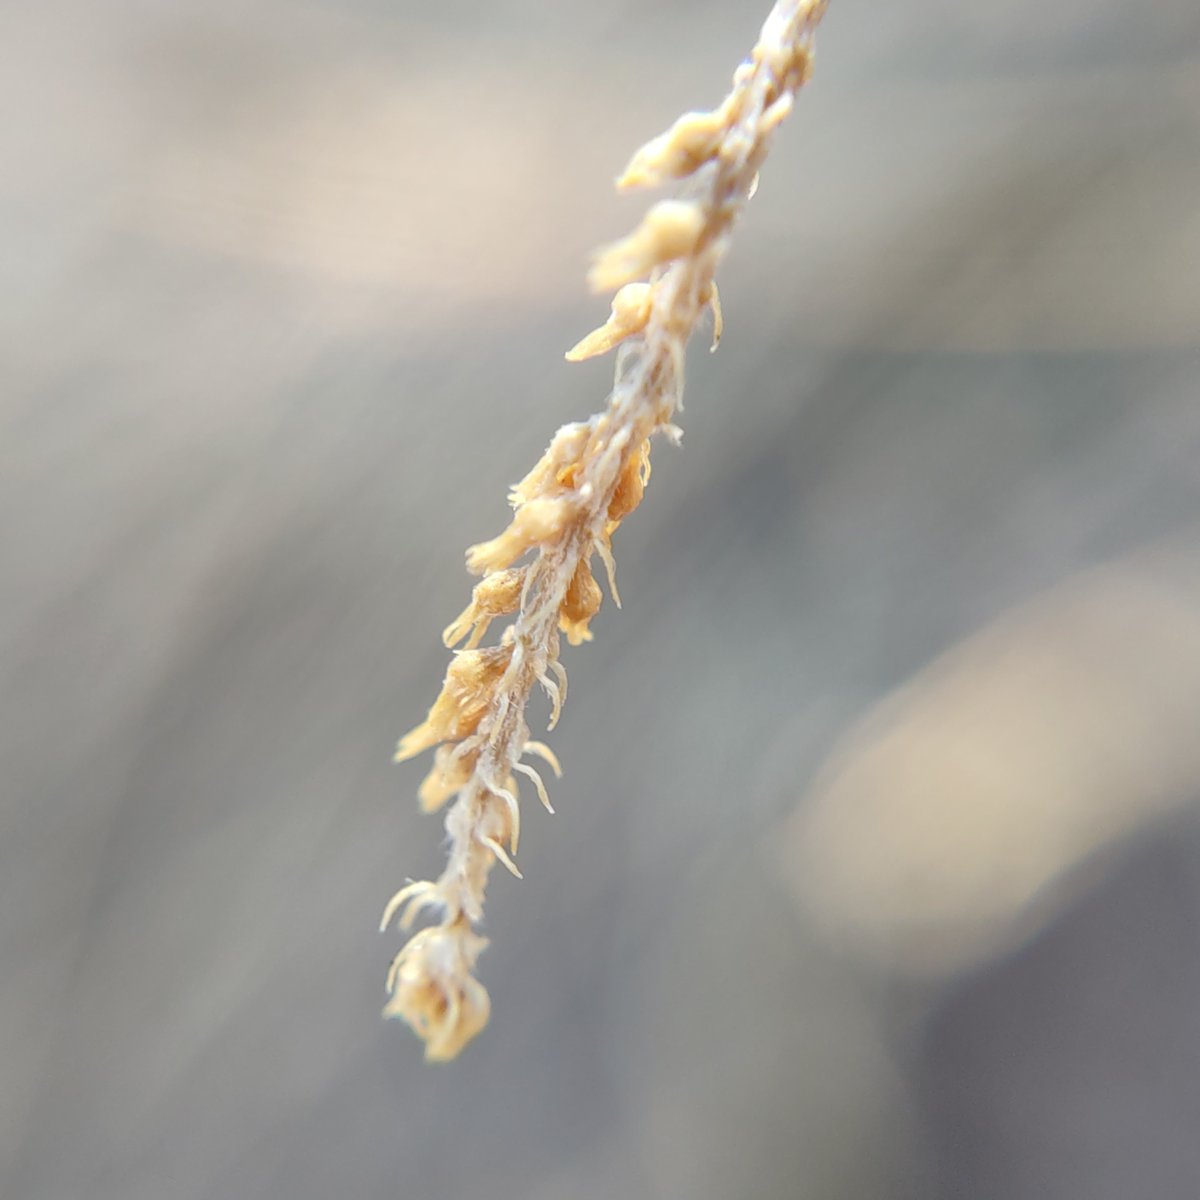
<point x="567" y="509"/>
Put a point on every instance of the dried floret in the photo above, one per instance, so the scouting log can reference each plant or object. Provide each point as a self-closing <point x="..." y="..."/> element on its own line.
<point x="580" y="605"/>
<point x="631" y="308"/>
<point x="668" y="231"/>
<point x="452" y="769"/>
<point x="776" y="114"/>
<point x="432" y="988"/>
<point x="564" y="452"/>
<point x="791" y="63"/>
<point x="686" y="146"/>
<point x="465" y="697"/>
<point x="495" y="596"/>
<point x="535" y="522"/>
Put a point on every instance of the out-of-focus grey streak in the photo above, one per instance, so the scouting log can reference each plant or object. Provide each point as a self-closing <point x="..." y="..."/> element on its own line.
<point x="287" y="291"/>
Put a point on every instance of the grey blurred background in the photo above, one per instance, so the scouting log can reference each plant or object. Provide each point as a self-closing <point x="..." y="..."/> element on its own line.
<point x="876" y="871"/>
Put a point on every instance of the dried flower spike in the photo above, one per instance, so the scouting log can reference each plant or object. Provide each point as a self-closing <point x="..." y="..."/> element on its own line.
<point x="592" y="476"/>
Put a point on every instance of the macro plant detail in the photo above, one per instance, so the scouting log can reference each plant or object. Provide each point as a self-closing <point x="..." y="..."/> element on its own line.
<point x="537" y="575"/>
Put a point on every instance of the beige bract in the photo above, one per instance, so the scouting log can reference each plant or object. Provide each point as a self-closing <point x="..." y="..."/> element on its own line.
<point x="538" y="573"/>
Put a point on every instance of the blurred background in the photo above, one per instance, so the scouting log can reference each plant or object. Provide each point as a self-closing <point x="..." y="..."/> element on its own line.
<point x="876" y="868"/>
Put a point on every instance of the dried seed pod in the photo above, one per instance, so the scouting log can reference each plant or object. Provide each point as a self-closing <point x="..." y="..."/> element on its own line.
<point x="580" y="605"/>
<point x="631" y="486"/>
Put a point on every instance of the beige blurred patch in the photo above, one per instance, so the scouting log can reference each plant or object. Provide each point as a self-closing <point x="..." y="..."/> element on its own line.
<point x="437" y="188"/>
<point x="960" y="813"/>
